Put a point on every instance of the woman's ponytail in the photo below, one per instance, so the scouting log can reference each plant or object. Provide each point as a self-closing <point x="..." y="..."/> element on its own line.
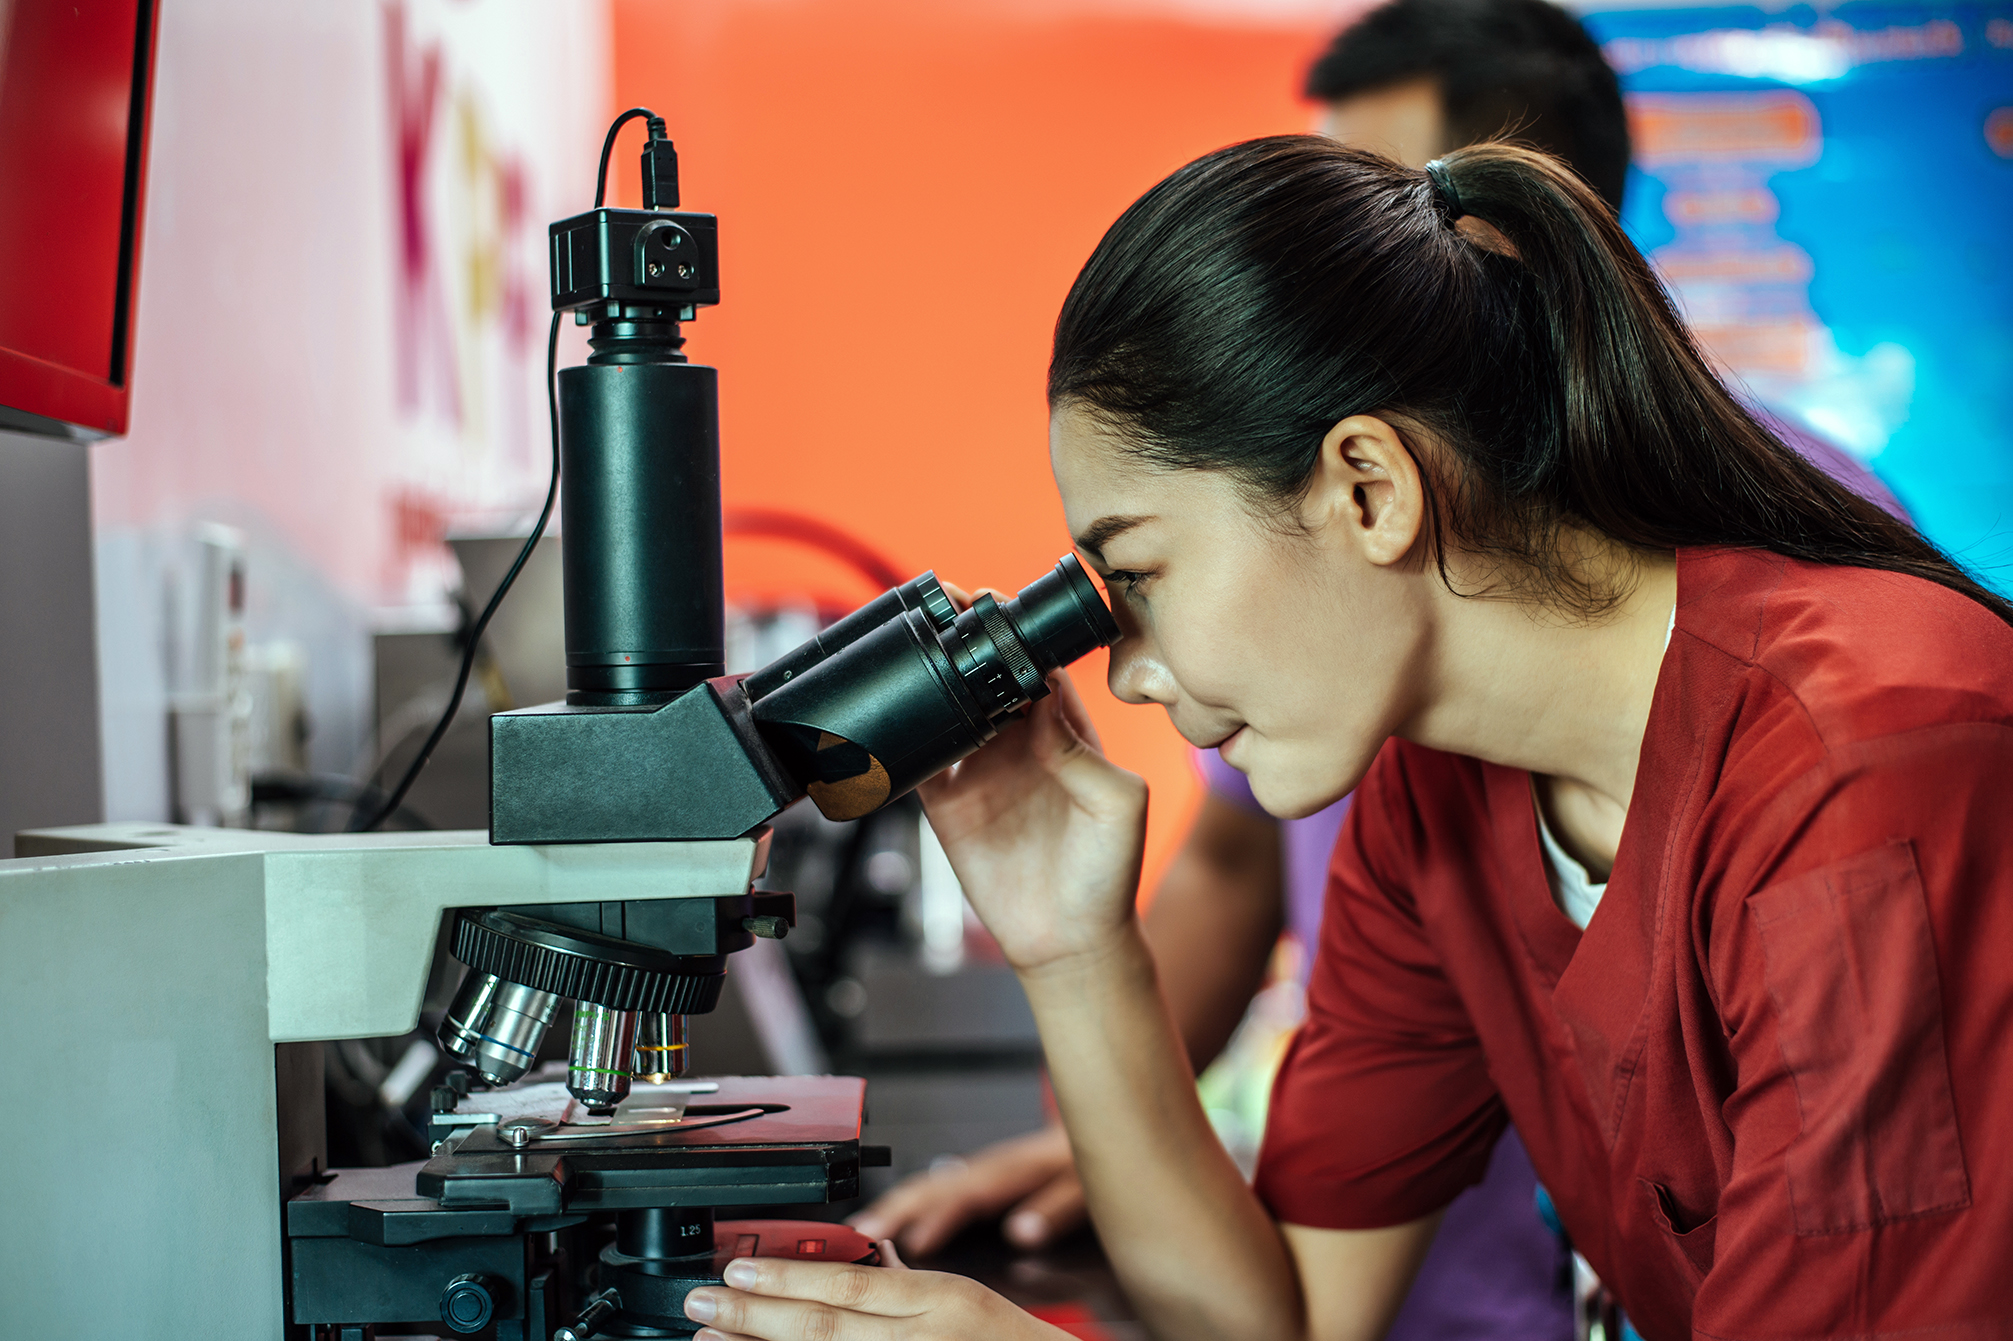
<point x="1262" y="293"/>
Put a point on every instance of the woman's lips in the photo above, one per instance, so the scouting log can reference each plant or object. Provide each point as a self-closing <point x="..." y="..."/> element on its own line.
<point x="1223" y="745"/>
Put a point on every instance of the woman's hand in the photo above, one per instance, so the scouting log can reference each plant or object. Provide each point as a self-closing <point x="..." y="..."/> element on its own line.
<point x="774" y="1299"/>
<point x="1044" y="833"/>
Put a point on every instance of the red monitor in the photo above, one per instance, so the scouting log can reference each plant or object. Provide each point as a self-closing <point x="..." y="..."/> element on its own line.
<point x="74" y="85"/>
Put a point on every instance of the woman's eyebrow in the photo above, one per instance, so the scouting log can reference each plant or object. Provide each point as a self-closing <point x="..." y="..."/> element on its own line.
<point x="1102" y="531"/>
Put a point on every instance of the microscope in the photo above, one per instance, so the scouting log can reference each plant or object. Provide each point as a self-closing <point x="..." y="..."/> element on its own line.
<point x="170" y="988"/>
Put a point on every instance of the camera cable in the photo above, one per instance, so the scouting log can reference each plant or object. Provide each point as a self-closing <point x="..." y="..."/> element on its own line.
<point x="473" y="643"/>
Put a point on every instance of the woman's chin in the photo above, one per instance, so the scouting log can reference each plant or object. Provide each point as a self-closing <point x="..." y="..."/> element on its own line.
<point x="1293" y="810"/>
<point x="1284" y="798"/>
<point x="1286" y="791"/>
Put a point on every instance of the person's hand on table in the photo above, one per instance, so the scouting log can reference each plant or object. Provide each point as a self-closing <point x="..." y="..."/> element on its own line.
<point x="1031" y="1178"/>
<point x="775" y="1299"/>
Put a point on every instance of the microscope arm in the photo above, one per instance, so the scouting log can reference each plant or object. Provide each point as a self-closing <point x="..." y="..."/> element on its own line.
<point x="350" y="919"/>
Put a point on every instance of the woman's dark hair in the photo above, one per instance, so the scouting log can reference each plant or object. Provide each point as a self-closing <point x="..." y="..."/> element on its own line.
<point x="1245" y="305"/>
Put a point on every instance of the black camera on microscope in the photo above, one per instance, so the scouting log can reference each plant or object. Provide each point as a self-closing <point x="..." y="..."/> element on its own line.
<point x="651" y="257"/>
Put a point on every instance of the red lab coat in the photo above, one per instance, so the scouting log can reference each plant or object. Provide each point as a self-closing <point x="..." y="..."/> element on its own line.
<point x="1770" y="1087"/>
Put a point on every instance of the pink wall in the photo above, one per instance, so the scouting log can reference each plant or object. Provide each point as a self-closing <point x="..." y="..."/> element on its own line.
<point x="275" y="315"/>
<point x="284" y="361"/>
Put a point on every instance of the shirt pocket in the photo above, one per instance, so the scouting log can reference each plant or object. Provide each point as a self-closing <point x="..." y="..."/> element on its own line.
<point x="1693" y="1241"/>
<point x="1851" y="970"/>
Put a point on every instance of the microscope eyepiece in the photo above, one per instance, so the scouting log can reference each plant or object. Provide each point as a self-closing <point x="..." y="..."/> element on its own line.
<point x="906" y="693"/>
<point x="922" y="593"/>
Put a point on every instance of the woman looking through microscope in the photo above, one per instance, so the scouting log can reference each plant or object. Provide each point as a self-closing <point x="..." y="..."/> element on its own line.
<point x="1679" y="835"/>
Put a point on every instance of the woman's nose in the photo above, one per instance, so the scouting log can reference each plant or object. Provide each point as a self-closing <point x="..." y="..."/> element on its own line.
<point x="1137" y="674"/>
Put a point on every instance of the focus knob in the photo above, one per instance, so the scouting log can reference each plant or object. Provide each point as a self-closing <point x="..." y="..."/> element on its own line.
<point x="468" y="1303"/>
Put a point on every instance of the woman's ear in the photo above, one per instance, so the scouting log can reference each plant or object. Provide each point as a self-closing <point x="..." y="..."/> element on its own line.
<point x="1366" y="492"/>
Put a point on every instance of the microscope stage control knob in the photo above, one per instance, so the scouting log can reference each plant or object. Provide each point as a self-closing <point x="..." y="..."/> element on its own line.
<point x="598" y="1312"/>
<point x="468" y="1303"/>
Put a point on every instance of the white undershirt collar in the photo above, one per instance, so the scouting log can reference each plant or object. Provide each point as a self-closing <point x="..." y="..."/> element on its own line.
<point x="1573" y="889"/>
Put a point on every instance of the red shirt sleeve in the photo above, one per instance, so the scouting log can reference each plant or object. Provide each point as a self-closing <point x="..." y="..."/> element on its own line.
<point x="1383" y="1110"/>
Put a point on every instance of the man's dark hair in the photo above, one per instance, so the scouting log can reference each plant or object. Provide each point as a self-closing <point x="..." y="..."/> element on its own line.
<point x="1522" y="67"/>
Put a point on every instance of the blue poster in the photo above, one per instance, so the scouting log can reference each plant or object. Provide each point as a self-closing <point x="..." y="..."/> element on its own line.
<point x="1829" y="195"/>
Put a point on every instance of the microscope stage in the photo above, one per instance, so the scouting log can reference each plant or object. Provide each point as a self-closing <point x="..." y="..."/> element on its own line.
<point x="383" y="1244"/>
<point x="752" y="1141"/>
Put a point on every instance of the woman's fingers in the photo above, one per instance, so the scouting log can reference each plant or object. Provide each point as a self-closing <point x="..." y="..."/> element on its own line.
<point x="772" y="1299"/>
<point x="935" y="1306"/>
<point x="963" y="599"/>
<point x="857" y="1289"/>
<point x="781" y="1300"/>
<point x="736" y="1314"/>
<point x="1073" y="710"/>
<point x="897" y="1208"/>
<point x="1050" y="1213"/>
<point x="924" y="1211"/>
<point x="897" y="1212"/>
<point x="934" y="1221"/>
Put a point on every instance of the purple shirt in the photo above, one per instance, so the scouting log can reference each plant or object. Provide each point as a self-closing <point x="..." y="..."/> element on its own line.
<point x="1307" y="843"/>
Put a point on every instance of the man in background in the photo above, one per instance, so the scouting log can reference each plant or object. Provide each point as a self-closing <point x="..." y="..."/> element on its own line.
<point x="1416" y="78"/>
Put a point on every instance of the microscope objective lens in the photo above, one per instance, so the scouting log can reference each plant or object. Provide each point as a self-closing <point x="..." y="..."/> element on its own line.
<point x="496" y="1026"/>
<point x="661" y="1049"/>
<point x="598" y="1068"/>
<point x="459" y="1029"/>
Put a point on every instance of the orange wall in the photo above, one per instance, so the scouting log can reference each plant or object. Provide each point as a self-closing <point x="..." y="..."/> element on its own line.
<point x="905" y="190"/>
